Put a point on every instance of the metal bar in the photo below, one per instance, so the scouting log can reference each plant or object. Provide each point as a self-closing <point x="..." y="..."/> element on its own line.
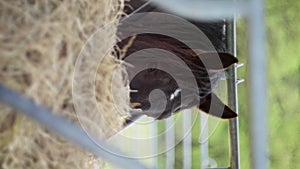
<point x="204" y="141"/>
<point x="155" y="144"/>
<point x="170" y="142"/>
<point x="66" y="129"/>
<point x="232" y="97"/>
<point x="206" y="10"/>
<point x="187" y="142"/>
<point x="258" y="86"/>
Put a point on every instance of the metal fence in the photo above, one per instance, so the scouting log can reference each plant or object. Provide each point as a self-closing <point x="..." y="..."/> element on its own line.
<point x="253" y="11"/>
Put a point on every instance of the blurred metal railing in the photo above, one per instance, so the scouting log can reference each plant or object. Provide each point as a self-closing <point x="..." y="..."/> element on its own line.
<point x="66" y="129"/>
<point x="208" y="10"/>
<point x="233" y="97"/>
<point x="254" y="13"/>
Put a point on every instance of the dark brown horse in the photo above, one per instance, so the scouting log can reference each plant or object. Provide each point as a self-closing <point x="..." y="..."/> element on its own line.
<point x="157" y="93"/>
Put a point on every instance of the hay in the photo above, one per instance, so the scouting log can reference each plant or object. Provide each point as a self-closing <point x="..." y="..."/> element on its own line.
<point x="39" y="45"/>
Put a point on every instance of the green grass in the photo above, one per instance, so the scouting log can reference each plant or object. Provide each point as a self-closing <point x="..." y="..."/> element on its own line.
<point x="283" y="50"/>
<point x="284" y="83"/>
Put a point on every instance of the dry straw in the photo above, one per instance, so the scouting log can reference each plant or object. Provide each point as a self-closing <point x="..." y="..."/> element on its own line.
<point x="39" y="44"/>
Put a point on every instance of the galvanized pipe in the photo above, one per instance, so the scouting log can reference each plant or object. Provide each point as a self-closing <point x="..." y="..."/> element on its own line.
<point x="204" y="151"/>
<point x="66" y="129"/>
<point x="187" y="142"/>
<point x="204" y="10"/>
<point x="232" y="97"/>
<point x="258" y="86"/>
<point x="170" y="142"/>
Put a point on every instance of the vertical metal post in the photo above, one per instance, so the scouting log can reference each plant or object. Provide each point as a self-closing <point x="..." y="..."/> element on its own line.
<point x="232" y="97"/>
<point x="187" y="142"/>
<point x="258" y="86"/>
<point x="155" y="145"/>
<point x="170" y="142"/>
<point x="204" y="141"/>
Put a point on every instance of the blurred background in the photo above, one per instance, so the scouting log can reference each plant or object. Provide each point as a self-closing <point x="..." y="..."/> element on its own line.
<point x="151" y="141"/>
<point x="283" y="66"/>
<point x="283" y="61"/>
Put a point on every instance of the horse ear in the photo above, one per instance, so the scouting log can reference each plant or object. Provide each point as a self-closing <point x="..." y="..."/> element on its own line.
<point x="212" y="105"/>
<point x="211" y="60"/>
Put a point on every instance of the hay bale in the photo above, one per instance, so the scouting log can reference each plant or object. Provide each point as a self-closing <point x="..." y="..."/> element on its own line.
<point x="39" y="45"/>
